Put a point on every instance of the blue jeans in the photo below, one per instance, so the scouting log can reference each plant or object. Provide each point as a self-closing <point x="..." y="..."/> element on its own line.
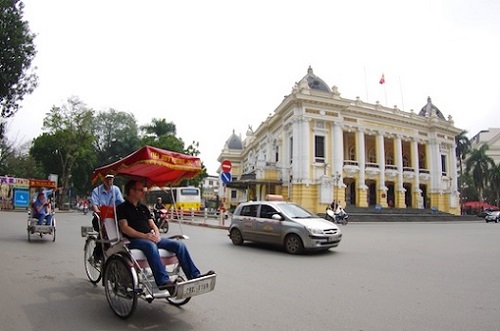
<point x="150" y="249"/>
<point x="42" y="217"/>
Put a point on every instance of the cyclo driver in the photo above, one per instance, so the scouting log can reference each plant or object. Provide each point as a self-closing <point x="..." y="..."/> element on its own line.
<point x="104" y="196"/>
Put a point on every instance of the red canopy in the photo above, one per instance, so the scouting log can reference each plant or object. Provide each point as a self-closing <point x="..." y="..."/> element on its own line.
<point x="478" y="205"/>
<point x="157" y="166"/>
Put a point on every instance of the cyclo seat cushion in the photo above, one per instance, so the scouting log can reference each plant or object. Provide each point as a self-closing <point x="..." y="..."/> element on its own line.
<point x="167" y="257"/>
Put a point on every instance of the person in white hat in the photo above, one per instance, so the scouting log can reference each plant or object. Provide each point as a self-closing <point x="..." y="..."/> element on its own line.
<point x="105" y="194"/>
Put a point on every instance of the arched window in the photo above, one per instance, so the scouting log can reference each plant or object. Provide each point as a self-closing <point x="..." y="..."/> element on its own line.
<point x="406" y="161"/>
<point x="421" y="161"/>
<point x="389" y="158"/>
<point x="372" y="156"/>
<point x="352" y="153"/>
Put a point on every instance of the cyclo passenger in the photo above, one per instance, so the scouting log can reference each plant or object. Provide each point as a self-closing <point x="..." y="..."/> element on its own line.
<point x="105" y="194"/>
<point x="137" y="225"/>
<point x="42" y="209"/>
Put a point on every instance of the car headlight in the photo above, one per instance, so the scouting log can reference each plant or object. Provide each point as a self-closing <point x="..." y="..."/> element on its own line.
<point x="315" y="231"/>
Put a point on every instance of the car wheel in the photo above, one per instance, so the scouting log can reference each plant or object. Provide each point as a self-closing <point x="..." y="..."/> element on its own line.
<point x="293" y="244"/>
<point x="236" y="236"/>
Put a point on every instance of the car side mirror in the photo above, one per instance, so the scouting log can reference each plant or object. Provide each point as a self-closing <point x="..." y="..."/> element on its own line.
<point x="277" y="217"/>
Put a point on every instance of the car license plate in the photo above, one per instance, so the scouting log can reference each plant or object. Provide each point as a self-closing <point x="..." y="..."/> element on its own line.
<point x="195" y="287"/>
<point x="332" y="238"/>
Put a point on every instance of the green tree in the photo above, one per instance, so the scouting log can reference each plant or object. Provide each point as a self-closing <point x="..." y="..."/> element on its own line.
<point x="469" y="191"/>
<point x="194" y="151"/>
<point x="6" y="151"/>
<point x="494" y="180"/>
<point x="17" y="51"/>
<point x="159" y="127"/>
<point x="462" y="149"/>
<point x="18" y="163"/>
<point x="116" y="135"/>
<point x="68" y="142"/>
<point x="161" y="134"/>
<point x="479" y="165"/>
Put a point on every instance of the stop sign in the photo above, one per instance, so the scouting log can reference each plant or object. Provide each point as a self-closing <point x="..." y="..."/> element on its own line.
<point x="226" y="166"/>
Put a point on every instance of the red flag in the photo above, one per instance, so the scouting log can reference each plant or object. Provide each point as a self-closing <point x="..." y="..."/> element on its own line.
<point x="382" y="79"/>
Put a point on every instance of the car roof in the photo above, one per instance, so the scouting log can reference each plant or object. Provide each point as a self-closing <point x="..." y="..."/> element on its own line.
<point x="265" y="201"/>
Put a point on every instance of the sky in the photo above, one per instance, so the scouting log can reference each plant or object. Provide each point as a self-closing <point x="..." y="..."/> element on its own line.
<point x="214" y="67"/>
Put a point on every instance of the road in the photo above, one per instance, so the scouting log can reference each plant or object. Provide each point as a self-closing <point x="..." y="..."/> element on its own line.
<point x="387" y="276"/>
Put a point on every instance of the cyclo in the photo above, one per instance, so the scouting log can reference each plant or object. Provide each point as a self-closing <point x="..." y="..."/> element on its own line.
<point x="33" y="228"/>
<point x="125" y="273"/>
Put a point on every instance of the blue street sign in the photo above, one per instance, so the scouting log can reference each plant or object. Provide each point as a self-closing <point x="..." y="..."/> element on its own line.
<point x="225" y="177"/>
<point x="21" y="197"/>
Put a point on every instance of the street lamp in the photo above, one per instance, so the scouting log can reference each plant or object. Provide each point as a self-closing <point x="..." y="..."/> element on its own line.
<point x="336" y="178"/>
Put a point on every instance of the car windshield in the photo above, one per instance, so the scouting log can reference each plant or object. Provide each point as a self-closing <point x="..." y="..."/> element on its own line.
<point x="295" y="211"/>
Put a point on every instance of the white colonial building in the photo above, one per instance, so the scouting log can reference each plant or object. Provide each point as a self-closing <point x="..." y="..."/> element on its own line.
<point x="490" y="137"/>
<point x="318" y="147"/>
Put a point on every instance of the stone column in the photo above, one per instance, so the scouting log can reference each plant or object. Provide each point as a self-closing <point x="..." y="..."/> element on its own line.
<point x="381" y="188"/>
<point x="338" y="163"/>
<point x="360" y="154"/>
<point x="301" y="161"/>
<point x="417" y="193"/>
<point x="400" y="190"/>
<point x="434" y="171"/>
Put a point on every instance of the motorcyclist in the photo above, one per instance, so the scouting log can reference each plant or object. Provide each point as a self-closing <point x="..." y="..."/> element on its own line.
<point x="157" y="207"/>
<point x="340" y="214"/>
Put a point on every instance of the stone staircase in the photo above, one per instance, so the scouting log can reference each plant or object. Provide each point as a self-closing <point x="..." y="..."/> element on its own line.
<point x="370" y="214"/>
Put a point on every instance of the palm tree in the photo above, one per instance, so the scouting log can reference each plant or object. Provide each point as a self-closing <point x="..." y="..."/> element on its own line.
<point x="480" y="164"/>
<point x="495" y="183"/>
<point x="160" y="127"/>
<point x="462" y="149"/>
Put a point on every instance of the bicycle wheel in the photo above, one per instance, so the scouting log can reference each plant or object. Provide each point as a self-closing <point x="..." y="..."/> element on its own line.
<point x="119" y="286"/>
<point x="172" y="300"/>
<point x="92" y="266"/>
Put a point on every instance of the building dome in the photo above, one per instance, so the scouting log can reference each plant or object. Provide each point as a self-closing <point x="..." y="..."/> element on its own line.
<point x="314" y="82"/>
<point x="429" y="108"/>
<point x="234" y="142"/>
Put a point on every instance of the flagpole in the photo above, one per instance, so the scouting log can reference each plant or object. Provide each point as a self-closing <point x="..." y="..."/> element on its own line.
<point x="382" y="82"/>
<point x="366" y="85"/>
<point x="385" y="92"/>
<point x="401" y="91"/>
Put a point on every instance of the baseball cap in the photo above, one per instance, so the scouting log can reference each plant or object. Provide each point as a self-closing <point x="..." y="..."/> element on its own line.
<point x="109" y="176"/>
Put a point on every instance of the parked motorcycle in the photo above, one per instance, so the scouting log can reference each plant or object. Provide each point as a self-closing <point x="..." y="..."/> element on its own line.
<point x="339" y="216"/>
<point x="161" y="219"/>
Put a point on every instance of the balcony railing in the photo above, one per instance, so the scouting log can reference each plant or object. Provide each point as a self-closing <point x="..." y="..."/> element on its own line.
<point x="350" y="162"/>
<point x="371" y="165"/>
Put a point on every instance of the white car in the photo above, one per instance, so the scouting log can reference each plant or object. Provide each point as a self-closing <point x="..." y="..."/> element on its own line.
<point x="282" y="223"/>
